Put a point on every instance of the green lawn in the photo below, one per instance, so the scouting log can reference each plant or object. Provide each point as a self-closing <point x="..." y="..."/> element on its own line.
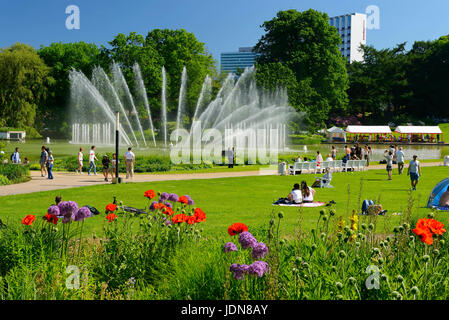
<point x="244" y="199"/>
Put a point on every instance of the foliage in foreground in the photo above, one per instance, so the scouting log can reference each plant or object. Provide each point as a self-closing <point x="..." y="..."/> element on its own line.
<point x="161" y="255"/>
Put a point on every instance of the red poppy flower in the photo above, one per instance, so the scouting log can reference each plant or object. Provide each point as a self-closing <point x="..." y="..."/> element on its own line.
<point x="51" y="218"/>
<point x="179" y="218"/>
<point x="237" y="228"/>
<point x="111" y="217"/>
<point x="150" y="194"/>
<point x="191" y="220"/>
<point x="28" y="220"/>
<point x="183" y="199"/>
<point x="168" y="210"/>
<point x="111" y="207"/>
<point x="158" y="206"/>
<point x="424" y="235"/>
<point x="436" y="227"/>
<point x="199" y="215"/>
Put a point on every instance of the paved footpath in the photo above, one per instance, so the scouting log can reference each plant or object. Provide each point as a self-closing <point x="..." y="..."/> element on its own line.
<point x="65" y="180"/>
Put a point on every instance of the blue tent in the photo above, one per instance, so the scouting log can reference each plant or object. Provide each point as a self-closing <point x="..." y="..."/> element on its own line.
<point x="435" y="195"/>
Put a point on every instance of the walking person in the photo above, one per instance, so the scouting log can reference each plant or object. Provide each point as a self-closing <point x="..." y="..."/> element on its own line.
<point x="50" y="165"/>
<point x="230" y="158"/>
<point x="400" y="160"/>
<point x="130" y="159"/>
<point x="334" y="153"/>
<point x="113" y="165"/>
<point x="105" y="162"/>
<point x="389" y="156"/>
<point x="43" y="161"/>
<point x="15" y="157"/>
<point x="366" y="154"/>
<point x="414" y="171"/>
<point x="92" y="159"/>
<point x="80" y="161"/>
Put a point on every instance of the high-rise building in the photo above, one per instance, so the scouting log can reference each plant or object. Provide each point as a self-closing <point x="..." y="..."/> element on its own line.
<point x="352" y="29"/>
<point x="242" y="59"/>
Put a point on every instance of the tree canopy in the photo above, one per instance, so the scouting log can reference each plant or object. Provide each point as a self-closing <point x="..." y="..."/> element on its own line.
<point x="24" y="79"/>
<point x="307" y="45"/>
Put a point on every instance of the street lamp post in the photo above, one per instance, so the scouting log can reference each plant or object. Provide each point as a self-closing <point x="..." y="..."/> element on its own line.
<point x="117" y="137"/>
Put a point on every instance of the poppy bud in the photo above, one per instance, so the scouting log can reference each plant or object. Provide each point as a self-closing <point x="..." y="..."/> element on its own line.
<point x="426" y="258"/>
<point x="339" y="285"/>
<point x="280" y="215"/>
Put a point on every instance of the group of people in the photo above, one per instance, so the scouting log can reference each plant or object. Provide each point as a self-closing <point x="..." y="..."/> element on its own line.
<point x="109" y="165"/>
<point x="46" y="161"/>
<point x="358" y="153"/>
<point x="395" y="155"/>
<point x="301" y="194"/>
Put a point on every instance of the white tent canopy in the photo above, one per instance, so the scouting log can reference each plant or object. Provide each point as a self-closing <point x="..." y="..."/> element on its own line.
<point x="368" y="129"/>
<point x="336" y="130"/>
<point x="419" y="130"/>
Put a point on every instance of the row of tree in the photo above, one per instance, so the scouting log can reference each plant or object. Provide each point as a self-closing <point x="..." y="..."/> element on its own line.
<point x="299" y="51"/>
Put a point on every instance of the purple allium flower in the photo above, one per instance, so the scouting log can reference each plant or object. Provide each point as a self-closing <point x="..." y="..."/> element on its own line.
<point x="260" y="250"/>
<point x="259" y="268"/>
<point x="173" y="197"/>
<point x="229" y="247"/>
<point x="168" y="204"/>
<point x="190" y="201"/>
<point x="68" y="209"/>
<point x="239" y="270"/>
<point x="247" y="240"/>
<point x="164" y="196"/>
<point x="83" y="213"/>
<point x="152" y="208"/>
<point x="54" y="210"/>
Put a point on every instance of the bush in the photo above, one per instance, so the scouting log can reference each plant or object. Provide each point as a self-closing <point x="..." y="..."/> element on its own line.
<point x="15" y="173"/>
<point x="4" y="180"/>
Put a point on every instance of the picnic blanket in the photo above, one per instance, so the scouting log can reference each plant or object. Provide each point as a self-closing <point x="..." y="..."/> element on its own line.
<point x="304" y="205"/>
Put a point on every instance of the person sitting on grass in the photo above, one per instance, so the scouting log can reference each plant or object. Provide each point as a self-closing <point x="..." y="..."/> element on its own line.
<point x="444" y="199"/>
<point x="326" y="178"/>
<point x="307" y="193"/>
<point x="295" y="196"/>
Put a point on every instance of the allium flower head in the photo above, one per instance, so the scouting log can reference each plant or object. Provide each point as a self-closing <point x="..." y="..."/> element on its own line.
<point x="164" y="196"/>
<point x="53" y="210"/>
<point x="259" y="268"/>
<point x="239" y="270"/>
<point x="173" y="197"/>
<point x="153" y="206"/>
<point x="229" y="247"/>
<point x="68" y="209"/>
<point x="247" y="240"/>
<point x="83" y="213"/>
<point x="260" y="250"/>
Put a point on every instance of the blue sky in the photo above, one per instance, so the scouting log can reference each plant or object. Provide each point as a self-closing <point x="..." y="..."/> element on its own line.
<point x="223" y="25"/>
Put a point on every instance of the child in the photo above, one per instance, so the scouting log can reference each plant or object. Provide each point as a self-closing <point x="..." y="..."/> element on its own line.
<point x="50" y="165"/>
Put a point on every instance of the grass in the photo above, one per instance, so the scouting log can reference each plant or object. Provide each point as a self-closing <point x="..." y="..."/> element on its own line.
<point x="246" y="199"/>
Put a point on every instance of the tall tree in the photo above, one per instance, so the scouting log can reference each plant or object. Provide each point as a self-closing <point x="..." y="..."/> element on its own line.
<point x="308" y="45"/>
<point x="23" y="85"/>
<point x="62" y="57"/>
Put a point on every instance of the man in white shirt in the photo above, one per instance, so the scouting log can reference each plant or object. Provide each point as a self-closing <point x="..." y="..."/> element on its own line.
<point x="15" y="158"/>
<point x="92" y="159"/>
<point x="414" y="171"/>
<point x="130" y="159"/>
<point x="400" y="160"/>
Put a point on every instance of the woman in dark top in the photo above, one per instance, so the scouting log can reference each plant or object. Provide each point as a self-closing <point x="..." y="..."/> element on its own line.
<point x="105" y="162"/>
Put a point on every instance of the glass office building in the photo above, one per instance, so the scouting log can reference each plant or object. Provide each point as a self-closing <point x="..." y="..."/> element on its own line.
<point x="242" y="59"/>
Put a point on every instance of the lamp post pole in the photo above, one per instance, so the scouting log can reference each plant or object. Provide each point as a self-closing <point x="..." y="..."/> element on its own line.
<point x="117" y="123"/>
